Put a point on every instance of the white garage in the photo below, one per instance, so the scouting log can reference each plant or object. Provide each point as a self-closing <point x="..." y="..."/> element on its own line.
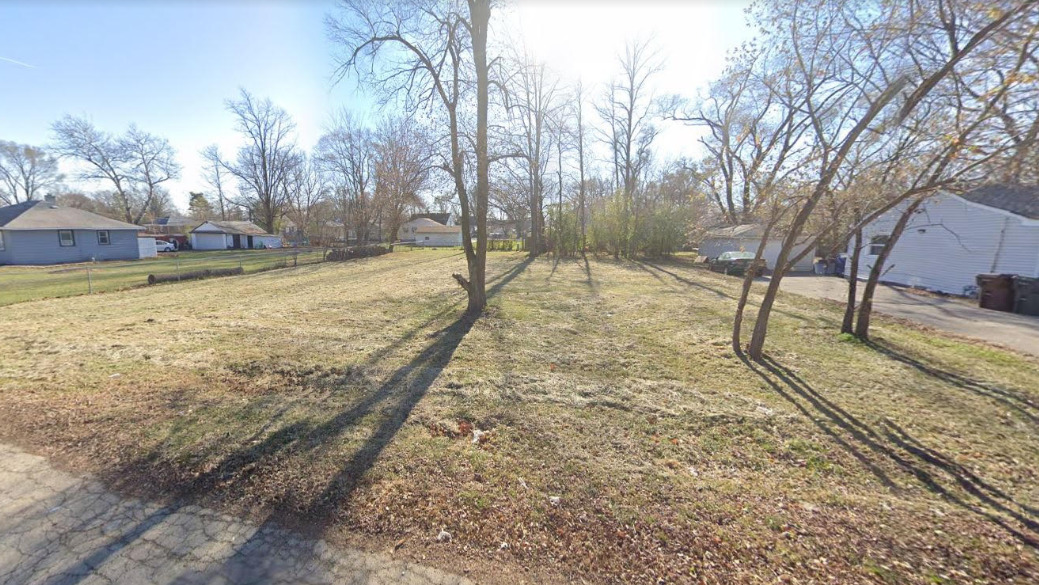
<point x="745" y="238"/>
<point x="438" y="235"/>
<point x="232" y="235"/>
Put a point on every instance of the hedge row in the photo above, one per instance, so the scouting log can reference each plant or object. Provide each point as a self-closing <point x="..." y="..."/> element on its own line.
<point x="341" y="254"/>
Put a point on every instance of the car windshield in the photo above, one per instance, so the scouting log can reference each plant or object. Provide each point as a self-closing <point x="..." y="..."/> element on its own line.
<point x="736" y="256"/>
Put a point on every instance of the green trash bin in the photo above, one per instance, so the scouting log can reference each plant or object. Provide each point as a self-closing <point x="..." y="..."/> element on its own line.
<point x="1026" y="295"/>
<point x="996" y="291"/>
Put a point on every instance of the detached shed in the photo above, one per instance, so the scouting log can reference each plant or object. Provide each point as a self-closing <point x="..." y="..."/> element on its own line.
<point x="745" y="238"/>
<point x="232" y="235"/>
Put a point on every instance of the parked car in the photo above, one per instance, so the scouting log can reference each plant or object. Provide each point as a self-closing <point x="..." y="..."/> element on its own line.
<point x="164" y="246"/>
<point x="737" y="263"/>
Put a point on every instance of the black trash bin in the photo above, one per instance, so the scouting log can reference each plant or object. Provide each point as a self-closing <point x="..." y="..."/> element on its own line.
<point x="996" y="291"/>
<point x="1026" y="295"/>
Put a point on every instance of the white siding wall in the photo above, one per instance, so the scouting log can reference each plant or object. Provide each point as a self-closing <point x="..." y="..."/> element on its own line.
<point x="949" y="242"/>
<point x="201" y="241"/>
<point x="438" y="239"/>
<point x="713" y="247"/>
<point x="204" y="241"/>
<point x="146" y="247"/>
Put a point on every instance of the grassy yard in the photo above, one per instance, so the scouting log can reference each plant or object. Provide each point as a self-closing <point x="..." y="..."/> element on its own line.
<point x="24" y="283"/>
<point x="593" y="424"/>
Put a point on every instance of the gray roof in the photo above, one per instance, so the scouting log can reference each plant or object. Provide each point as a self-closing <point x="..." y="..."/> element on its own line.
<point x="749" y="230"/>
<point x="1017" y="199"/>
<point x="441" y="218"/>
<point x="244" y="228"/>
<point x="171" y="220"/>
<point x="44" y="215"/>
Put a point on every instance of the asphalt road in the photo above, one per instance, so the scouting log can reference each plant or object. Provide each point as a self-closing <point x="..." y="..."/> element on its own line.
<point x="57" y="528"/>
<point x="955" y="315"/>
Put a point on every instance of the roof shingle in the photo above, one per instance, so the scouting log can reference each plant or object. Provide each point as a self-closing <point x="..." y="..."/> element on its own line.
<point x="245" y="228"/>
<point x="1017" y="199"/>
<point x="44" y="215"/>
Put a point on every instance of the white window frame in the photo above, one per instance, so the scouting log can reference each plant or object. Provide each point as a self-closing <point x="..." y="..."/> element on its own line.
<point x="879" y="245"/>
<point x="72" y="238"/>
<point x="108" y="238"/>
<point x="3" y="246"/>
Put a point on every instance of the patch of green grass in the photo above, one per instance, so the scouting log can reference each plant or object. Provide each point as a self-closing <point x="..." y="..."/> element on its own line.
<point x="26" y="283"/>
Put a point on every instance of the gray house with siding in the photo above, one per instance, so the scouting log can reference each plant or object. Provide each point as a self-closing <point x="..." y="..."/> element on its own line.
<point x="40" y="232"/>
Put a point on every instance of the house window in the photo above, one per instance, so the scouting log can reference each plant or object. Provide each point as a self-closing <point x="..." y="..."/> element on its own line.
<point x="103" y="238"/>
<point x="876" y="245"/>
<point x="66" y="238"/>
<point x="2" y="241"/>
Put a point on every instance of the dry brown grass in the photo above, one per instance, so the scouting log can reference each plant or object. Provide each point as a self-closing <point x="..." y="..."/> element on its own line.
<point x="342" y="399"/>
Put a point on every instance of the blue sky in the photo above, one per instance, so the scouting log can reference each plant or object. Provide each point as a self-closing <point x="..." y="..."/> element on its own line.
<point x="169" y="66"/>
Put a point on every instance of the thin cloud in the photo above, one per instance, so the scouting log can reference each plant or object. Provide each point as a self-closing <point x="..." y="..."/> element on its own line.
<point x="26" y="65"/>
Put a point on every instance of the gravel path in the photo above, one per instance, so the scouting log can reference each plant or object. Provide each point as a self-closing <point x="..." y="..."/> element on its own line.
<point x="1020" y="332"/>
<point x="56" y="528"/>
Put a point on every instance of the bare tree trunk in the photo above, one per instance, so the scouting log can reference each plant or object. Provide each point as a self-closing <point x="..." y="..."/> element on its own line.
<point x="748" y="281"/>
<point x="757" y="342"/>
<point x="580" y="167"/>
<point x="866" y="306"/>
<point x="853" y="284"/>
<point x="480" y="14"/>
<point x="558" y="244"/>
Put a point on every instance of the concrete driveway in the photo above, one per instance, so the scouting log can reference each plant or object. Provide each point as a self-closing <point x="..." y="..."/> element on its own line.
<point x="954" y="315"/>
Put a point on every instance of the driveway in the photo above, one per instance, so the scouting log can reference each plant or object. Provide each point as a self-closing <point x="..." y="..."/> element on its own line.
<point x="59" y="528"/>
<point x="955" y="315"/>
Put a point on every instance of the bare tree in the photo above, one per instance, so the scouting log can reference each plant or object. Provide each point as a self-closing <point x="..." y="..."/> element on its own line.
<point x="582" y="205"/>
<point x="214" y="173"/>
<point x="851" y="71"/>
<point x="435" y="54"/>
<point x="627" y="109"/>
<point x="106" y="160"/>
<point x="152" y="162"/>
<point x="263" y="164"/>
<point x="348" y="154"/>
<point x="305" y="192"/>
<point x="753" y="133"/>
<point x="25" y="172"/>
<point x="534" y="96"/>
<point x="404" y="160"/>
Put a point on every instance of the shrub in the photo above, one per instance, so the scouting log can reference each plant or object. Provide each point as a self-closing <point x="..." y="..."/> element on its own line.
<point x="343" y="254"/>
<point x="504" y="245"/>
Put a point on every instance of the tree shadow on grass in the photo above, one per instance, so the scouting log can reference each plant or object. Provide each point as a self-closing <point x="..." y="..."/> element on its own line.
<point x="692" y="283"/>
<point x="590" y="282"/>
<point x="642" y="266"/>
<point x="555" y="265"/>
<point x="891" y="445"/>
<point x="1018" y="402"/>
<point x="722" y="294"/>
<point x="390" y="405"/>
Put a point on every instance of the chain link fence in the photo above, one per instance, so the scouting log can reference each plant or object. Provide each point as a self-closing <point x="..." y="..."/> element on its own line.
<point x="25" y="283"/>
